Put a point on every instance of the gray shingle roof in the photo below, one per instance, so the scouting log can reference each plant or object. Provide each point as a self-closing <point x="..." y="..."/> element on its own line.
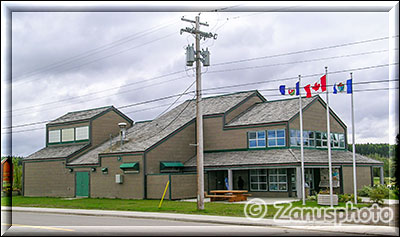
<point x="251" y="157"/>
<point x="338" y="156"/>
<point x="277" y="156"/>
<point x="55" y="152"/>
<point x="271" y="111"/>
<point x="79" y="115"/>
<point x="141" y="136"/>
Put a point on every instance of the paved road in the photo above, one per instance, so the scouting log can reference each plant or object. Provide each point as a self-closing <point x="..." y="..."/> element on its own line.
<point x="29" y="223"/>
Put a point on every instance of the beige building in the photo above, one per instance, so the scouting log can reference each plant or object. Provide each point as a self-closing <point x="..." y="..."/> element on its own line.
<point x="249" y="143"/>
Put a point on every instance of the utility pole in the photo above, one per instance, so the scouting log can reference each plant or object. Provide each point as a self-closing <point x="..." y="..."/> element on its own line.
<point x="199" y="113"/>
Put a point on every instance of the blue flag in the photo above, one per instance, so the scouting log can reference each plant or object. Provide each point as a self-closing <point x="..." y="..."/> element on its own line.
<point x="349" y="86"/>
<point x="282" y="89"/>
<point x="297" y="88"/>
<point x="334" y="89"/>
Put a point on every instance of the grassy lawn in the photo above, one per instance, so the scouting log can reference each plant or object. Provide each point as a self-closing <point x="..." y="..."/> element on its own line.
<point x="218" y="209"/>
<point x="387" y="180"/>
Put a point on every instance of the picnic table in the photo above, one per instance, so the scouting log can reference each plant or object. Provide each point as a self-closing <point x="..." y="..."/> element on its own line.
<point x="230" y="195"/>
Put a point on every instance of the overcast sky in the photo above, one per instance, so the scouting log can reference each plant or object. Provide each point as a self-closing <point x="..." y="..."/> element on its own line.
<point x="61" y="59"/>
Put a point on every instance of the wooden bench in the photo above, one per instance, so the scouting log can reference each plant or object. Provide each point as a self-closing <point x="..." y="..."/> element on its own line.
<point x="247" y="195"/>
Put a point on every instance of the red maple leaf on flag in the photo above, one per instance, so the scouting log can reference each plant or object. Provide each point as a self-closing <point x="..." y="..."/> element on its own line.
<point x="316" y="86"/>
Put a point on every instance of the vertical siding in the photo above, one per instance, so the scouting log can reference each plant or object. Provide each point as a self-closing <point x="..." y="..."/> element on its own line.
<point x="215" y="138"/>
<point x="48" y="179"/>
<point x="184" y="186"/>
<point x="105" y="125"/>
<point x="363" y="178"/>
<point x="104" y="186"/>
<point x="314" y="119"/>
<point x="175" y="148"/>
<point x="156" y="186"/>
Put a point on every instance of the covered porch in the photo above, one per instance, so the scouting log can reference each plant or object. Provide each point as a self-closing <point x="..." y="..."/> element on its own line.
<point x="276" y="173"/>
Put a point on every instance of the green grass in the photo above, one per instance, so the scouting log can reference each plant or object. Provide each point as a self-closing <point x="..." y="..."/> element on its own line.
<point x="218" y="209"/>
<point x="387" y="180"/>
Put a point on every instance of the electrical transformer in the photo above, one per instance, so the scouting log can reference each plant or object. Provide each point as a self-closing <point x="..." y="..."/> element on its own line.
<point x="189" y="55"/>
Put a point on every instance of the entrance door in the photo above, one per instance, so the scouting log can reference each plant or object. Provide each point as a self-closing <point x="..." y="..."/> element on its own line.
<point x="309" y="178"/>
<point x="220" y="179"/>
<point x="82" y="184"/>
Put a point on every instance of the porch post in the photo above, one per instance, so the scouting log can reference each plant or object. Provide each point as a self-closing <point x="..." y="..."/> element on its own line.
<point x="230" y="179"/>
<point x="381" y="175"/>
<point x="298" y="182"/>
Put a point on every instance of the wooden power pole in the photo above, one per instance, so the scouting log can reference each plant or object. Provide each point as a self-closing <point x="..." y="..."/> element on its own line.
<point x="190" y="58"/>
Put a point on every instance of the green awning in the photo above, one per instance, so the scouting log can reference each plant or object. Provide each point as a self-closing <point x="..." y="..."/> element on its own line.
<point x="171" y="164"/>
<point x="134" y="165"/>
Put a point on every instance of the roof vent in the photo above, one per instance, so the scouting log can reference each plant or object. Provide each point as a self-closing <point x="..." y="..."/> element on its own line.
<point x="122" y="132"/>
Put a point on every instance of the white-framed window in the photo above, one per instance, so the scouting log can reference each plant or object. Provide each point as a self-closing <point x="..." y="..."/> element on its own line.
<point x="321" y="139"/>
<point x="258" y="180"/>
<point x="308" y="138"/>
<point x="341" y="140"/>
<point x="55" y="136"/>
<point x="277" y="179"/>
<point x="256" y="139"/>
<point x="276" y="138"/>
<point x="337" y="140"/>
<point x="82" y="133"/>
<point x="67" y="134"/>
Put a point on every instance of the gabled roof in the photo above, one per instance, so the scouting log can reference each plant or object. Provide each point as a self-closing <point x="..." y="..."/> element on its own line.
<point x="141" y="136"/>
<point x="55" y="152"/>
<point x="271" y="111"/>
<point x="80" y="115"/>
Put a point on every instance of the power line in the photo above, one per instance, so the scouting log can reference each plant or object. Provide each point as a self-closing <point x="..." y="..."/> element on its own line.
<point x="95" y="50"/>
<point x="106" y="90"/>
<point x="306" y="51"/>
<point x="218" y="71"/>
<point x="176" y="100"/>
<point x="274" y="95"/>
<point x="107" y="56"/>
<point x="303" y="61"/>
<point x="331" y="92"/>
<point x="292" y="78"/>
<point x="117" y="94"/>
<point x="281" y="79"/>
<point x="186" y="92"/>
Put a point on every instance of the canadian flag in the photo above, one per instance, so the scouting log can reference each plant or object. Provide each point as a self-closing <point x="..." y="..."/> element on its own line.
<point x="321" y="85"/>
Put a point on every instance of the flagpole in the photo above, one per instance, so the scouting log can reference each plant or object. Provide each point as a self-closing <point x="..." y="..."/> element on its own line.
<point x="354" y="143"/>
<point x="329" y="140"/>
<point x="301" y="148"/>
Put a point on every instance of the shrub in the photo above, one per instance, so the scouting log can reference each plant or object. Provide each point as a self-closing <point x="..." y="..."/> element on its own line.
<point x="378" y="194"/>
<point x="345" y="197"/>
<point x="365" y="191"/>
<point x="348" y="197"/>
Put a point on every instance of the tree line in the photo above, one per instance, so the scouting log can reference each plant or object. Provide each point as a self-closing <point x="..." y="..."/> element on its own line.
<point x="381" y="149"/>
<point x="382" y="152"/>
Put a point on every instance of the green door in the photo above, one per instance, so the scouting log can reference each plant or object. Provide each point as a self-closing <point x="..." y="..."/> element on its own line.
<point x="82" y="184"/>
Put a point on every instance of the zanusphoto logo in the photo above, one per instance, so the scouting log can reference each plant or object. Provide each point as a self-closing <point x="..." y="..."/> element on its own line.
<point x="256" y="209"/>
